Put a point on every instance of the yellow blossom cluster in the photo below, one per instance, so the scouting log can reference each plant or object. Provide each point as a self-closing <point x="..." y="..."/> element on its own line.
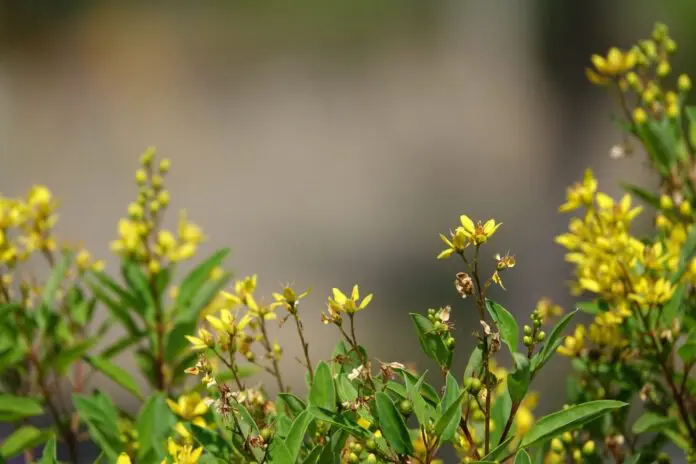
<point x="624" y="272"/>
<point x="141" y="236"/>
<point x="640" y="71"/>
<point x="468" y="233"/>
<point x="26" y="227"/>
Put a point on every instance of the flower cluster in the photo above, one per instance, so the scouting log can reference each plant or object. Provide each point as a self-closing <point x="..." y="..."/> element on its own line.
<point x="141" y="237"/>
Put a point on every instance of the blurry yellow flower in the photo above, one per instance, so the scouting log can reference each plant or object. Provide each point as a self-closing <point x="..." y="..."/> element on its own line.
<point x="341" y="303"/>
<point x="580" y="194"/>
<point x="183" y="454"/>
<point x="190" y="408"/>
<point x="123" y="458"/>
<point x="573" y="344"/>
<point x="289" y="299"/>
<point x="203" y="341"/>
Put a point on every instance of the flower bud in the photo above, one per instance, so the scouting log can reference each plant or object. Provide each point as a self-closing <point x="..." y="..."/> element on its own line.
<point x="640" y="116"/>
<point x="164" y="165"/>
<point x="684" y="83"/>
<point x="588" y="448"/>
<point x="557" y="445"/>
<point x="371" y="459"/>
<point x="140" y="177"/>
<point x="406" y="407"/>
<point x="663" y="69"/>
<point x="666" y="202"/>
<point x="475" y="385"/>
<point x="527" y="340"/>
<point x="540" y="336"/>
<point x="527" y="330"/>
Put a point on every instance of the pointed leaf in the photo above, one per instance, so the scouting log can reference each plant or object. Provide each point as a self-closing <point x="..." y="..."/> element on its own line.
<point x="562" y="421"/>
<point x="101" y="417"/>
<point x="49" y="455"/>
<point x="651" y="422"/>
<point x="446" y="426"/>
<point x="522" y="458"/>
<point x="297" y="434"/>
<point x="419" y="406"/>
<point x="509" y="330"/>
<point x="552" y="342"/>
<point x="24" y="438"/>
<point x="432" y="344"/>
<point x="392" y="425"/>
<point x="19" y="406"/>
<point x="518" y="380"/>
<point x="154" y="424"/>
<point x="323" y="393"/>
<point x="115" y="373"/>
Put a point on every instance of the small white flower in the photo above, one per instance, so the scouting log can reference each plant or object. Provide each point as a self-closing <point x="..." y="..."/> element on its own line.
<point x="617" y="152"/>
<point x="355" y="373"/>
<point x="395" y="365"/>
<point x="444" y="314"/>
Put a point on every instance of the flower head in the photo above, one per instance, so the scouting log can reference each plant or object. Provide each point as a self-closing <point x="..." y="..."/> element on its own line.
<point x="349" y="305"/>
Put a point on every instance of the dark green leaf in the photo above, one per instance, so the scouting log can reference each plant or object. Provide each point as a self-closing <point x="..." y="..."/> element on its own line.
<point x="101" y="417"/>
<point x="297" y="434"/>
<point x="499" y="451"/>
<point x="518" y="380"/>
<point x="115" y="373"/>
<point x="392" y="424"/>
<point x="346" y="390"/>
<point x="67" y="356"/>
<point x="24" y="438"/>
<point x="419" y="406"/>
<point x="8" y="308"/>
<point x="651" y="422"/>
<point x="432" y="344"/>
<point x="509" y="330"/>
<point x="323" y="393"/>
<point x="338" y="420"/>
<point x="293" y="402"/>
<point x="119" y="310"/>
<point x="205" y="295"/>
<point x="446" y="426"/>
<point x="562" y="421"/>
<point x="552" y="341"/>
<point x="660" y="142"/>
<point x="197" y="277"/>
<point x="140" y="286"/>
<point x="154" y="424"/>
<point x="19" y="406"/>
<point x="474" y="364"/>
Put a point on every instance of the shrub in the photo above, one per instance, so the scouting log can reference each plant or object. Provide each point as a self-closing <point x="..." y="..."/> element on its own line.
<point x="639" y="349"/>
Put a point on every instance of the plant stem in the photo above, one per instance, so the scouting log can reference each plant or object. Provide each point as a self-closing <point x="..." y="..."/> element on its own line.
<point x="305" y="346"/>
<point x="274" y="360"/>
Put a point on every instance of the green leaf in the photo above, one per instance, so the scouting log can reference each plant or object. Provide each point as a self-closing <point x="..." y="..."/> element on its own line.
<point x="101" y="417"/>
<point x="279" y="453"/>
<point x="197" y="277"/>
<point x="660" y="142"/>
<point x="8" y="308"/>
<point x="65" y="357"/>
<point x="52" y="285"/>
<point x="500" y="413"/>
<point x="446" y="426"/>
<point x="426" y="390"/>
<point x="297" y="434"/>
<point x="419" y="406"/>
<point x="293" y="402"/>
<point x="651" y="422"/>
<point x="449" y="398"/>
<point x="176" y="340"/>
<point x="323" y="393"/>
<point x="474" y="364"/>
<point x="140" y="286"/>
<point x="687" y="253"/>
<point x="673" y="309"/>
<point x="688" y="350"/>
<point x="522" y="458"/>
<point x="392" y="425"/>
<point x="208" y="291"/>
<point x="19" y="406"/>
<point x="677" y="439"/>
<point x="115" y="373"/>
<point x="49" y="455"/>
<point x="499" y="451"/>
<point x="24" y="438"/>
<point x="552" y="342"/>
<point x="518" y="380"/>
<point x="431" y="343"/>
<point x="338" y="420"/>
<point x="122" y="344"/>
<point x="346" y="390"/>
<point x="562" y="421"/>
<point x="154" y="424"/>
<point x="509" y="330"/>
<point x="649" y="198"/>
<point x="119" y="310"/>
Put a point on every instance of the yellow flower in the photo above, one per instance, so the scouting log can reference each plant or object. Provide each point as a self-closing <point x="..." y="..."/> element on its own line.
<point x="573" y="344"/>
<point x="341" y="303"/>
<point x="524" y="419"/>
<point x="580" y="194"/>
<point x="289" y="299"/>
<point x="478" y="233"/>
<point x="652" y="292"/>
<point x="183" y="454"/>
<point x="615" y="63"/>
<point x="203" y="341"/>
<point x="456" y="244"/>
<point x="123" y="458"/>
<point x="189" y="407"/>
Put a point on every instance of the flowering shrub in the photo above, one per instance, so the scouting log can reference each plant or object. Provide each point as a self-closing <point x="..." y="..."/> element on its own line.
<point x="639" y="349"/>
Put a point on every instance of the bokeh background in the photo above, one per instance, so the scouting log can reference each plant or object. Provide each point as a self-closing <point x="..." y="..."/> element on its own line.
<point x="328" y="142"/>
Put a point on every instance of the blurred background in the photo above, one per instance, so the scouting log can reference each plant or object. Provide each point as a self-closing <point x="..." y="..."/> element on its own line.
<point x="328" y="143"/>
